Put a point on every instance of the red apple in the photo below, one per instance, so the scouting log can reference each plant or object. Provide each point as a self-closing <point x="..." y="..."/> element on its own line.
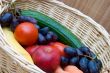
<point x="59" y="46"/>
<point x="47" y="58"/>
<point x="31" y="49"/>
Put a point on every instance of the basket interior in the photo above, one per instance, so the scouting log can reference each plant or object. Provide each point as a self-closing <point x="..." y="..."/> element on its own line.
<point x="84" y="30"/>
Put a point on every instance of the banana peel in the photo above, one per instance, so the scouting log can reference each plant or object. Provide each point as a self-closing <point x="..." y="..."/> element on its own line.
<point x="16" y="46"/>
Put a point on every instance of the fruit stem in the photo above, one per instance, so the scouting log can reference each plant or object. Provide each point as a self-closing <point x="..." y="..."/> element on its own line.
<point x="48" y="50"/>
<point x="14" y="7"/>
<point x="89" y="57"/>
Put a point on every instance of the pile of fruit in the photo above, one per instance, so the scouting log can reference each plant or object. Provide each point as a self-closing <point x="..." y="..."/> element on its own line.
<point x="46" y="46"/>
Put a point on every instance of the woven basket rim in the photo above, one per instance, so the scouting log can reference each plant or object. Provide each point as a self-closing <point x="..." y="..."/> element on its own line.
<point x="97" y="26"/>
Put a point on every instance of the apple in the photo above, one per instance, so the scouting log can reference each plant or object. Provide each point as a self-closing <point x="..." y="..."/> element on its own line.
<point x="31" y="49"/>
<point x="60" y="46"/>
<point x="47" y="58"/>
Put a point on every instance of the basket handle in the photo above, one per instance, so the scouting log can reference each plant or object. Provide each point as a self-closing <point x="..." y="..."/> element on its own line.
<point x="4" y="4"/>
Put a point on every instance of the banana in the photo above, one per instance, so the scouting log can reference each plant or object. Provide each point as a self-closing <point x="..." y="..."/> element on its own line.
<point x="16" y="46"/>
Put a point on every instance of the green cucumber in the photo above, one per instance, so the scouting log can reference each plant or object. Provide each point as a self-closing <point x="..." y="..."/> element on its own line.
<point x="64" y="34"/>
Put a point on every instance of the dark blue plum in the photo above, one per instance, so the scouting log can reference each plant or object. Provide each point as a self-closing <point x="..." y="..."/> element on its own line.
<point x="41" y="39"/>
<point x="74" y="61"/>
<point x="37" y="26"/>
<point x="99" y="64"/>
<point x="85" y="50"/>
<point x="54" y="37"/>
<point x="51" y="36"/>
<point x="92" y="66"/>
<point x="64" y="61"/>
<point x="44" y="30"/>
<point x="22" y="18"/>
<point x="48" y="37"/>
<point x="70" y="51"/>
<point x="14" y="24"/>
<point x="27" y="19"/>
<point x="6" y="19"/>
<point x="91" y="54"/>
<point x="0" y="19"/>
<point x="83" y="63"/>
<point x="79" y="53"/>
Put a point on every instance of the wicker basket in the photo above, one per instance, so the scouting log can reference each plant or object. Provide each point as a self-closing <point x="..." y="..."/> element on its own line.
<point x="87" y="30"/>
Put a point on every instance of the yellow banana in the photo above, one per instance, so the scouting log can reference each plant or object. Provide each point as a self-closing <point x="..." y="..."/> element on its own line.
<point x="16" y="46"/>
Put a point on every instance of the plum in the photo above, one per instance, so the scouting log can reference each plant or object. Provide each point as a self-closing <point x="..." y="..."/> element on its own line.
<point x="70" y="51"/>
<point x="6" y="19"/>
<point x="64" y="61"/>
<point x="37" y="26"/>
<point x="79" y="53"/>
<point x="74" y="61"/>
<point x="51" y="36"/>
<point x="99" y="64"/>
<point x="41" y="39"/>
<point x="27" y="19"/>
<point x="83" y="63"/>
<point x="85" y="50"/>
<point x="14" y="24"/>
<point x="92" y="66"/>
<point x="92" y="55"/>
<point x="44" y="30"/>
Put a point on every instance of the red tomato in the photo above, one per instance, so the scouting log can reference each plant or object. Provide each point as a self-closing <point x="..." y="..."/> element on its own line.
<point x="59" y="46"/>
<point x="26" y="33"/>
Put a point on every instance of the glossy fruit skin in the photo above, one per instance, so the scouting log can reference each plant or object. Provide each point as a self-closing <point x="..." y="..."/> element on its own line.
<point x="74" y="61"/>
<point x="64" y="61"/>
<point x="27" y="19"/>
<point x="41" y="39"/>
<point x="26" y="34"/>
<point x="14" y="24"/>
<point x="85" y="50"/>
<point x="91" y="54"/>
<point x="70" y="51"/>
<point x="44" y="31"/>
<point x="6" y="19"/>
<point x="92" y="66"/>
<point x="37" y="26"/>
<point x="99" y="64"/>
<point x="83" y="63"/>
<point x="59" y="46"/>
<point x="79" y="53"/>
<point x="0" y="18"/>
<point x="32" y="49"/>
<point x="51" y="36"/>
<point x="47" y="58"/>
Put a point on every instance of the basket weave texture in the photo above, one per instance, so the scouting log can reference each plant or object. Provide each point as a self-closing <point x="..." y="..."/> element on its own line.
<point x="87" y="30"/>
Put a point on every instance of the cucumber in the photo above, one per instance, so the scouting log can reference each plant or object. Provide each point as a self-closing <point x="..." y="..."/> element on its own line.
<point x="64" y="34"/>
